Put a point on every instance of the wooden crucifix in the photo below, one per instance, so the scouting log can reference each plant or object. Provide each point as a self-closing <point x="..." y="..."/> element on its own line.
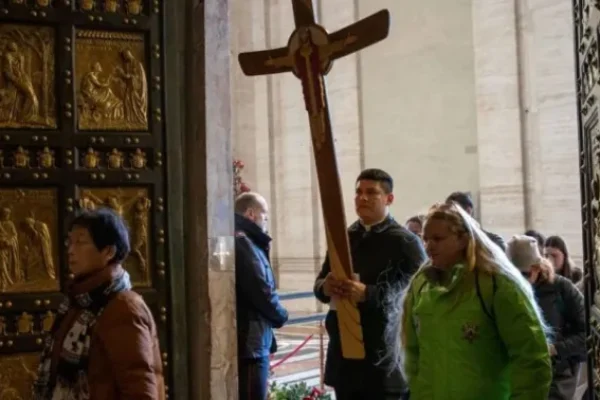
<point x="309" y="56"/>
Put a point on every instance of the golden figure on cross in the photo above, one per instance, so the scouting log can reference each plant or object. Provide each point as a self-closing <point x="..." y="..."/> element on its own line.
<point x="309" y="55"/>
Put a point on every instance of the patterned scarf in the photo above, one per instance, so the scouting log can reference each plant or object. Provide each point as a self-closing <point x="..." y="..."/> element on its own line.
<point x="70" y="382"/>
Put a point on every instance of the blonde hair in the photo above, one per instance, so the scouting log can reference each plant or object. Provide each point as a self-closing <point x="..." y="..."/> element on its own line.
<point x="481" y="255"/>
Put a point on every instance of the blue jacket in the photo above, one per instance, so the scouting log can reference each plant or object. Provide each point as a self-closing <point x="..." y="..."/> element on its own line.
<point x="258" y="307"/>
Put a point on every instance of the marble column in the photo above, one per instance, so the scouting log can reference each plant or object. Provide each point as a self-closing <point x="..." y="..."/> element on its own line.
<point x="499" y="119"/>
<point x="209" y="203"/>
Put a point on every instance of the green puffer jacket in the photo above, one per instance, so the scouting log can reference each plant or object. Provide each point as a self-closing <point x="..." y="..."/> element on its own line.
<point x="461" y="345"/>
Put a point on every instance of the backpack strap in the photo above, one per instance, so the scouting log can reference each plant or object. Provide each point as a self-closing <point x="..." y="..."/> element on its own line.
<point x="489" y="311"/>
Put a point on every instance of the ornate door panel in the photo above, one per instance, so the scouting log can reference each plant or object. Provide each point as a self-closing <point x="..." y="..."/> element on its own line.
<point x="587" y="34"/>
<point x="81" y="94"/>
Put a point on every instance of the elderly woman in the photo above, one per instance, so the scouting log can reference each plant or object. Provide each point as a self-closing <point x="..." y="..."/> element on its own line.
<point x="103" y="345"/>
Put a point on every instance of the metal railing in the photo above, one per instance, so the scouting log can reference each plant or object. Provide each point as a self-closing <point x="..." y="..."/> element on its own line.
<point x="306" y="319"/>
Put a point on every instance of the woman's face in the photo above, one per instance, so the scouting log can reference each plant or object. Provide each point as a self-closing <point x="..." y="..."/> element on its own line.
<point x="556" y="257"/>
<point x="444" y="247"/>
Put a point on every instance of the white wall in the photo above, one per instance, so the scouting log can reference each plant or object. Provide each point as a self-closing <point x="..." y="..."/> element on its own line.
<point x="418" y="101"/>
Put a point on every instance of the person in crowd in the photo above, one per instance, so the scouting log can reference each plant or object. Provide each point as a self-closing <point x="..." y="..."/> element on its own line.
<point x="415" y="224"/>
<point x="471" y="328"/>
<point x="384" y="255"/>
<point x="555" y="250"/>
<point x="540" y="239"/>
<point x="563" y="308"/>
<point x="103" y="344"/>
<point x="259" y="309"/>
<point x="464" y="200"/>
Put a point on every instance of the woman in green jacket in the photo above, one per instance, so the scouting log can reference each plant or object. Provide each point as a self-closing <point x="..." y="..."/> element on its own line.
<point x="471" y="329"/>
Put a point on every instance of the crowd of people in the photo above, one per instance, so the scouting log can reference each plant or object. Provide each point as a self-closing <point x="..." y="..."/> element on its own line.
<point x="448" y="309"/>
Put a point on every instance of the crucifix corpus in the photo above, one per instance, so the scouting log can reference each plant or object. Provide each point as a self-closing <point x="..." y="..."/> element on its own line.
<point x="309" y="56"/>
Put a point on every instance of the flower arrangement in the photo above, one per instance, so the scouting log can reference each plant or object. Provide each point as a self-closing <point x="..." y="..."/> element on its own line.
<point x="298" y="391"/>
<point x="239" y="186"/>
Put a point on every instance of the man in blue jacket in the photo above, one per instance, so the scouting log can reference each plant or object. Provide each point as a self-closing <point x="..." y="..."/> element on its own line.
<point x="258" y="307"/>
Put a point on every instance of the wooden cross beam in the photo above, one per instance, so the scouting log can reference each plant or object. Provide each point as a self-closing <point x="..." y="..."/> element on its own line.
<point x="309" y="55"/>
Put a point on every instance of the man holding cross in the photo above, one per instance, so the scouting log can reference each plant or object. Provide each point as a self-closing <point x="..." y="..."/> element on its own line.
<point x="309" y="55"/>
<point x="385" y="255"/>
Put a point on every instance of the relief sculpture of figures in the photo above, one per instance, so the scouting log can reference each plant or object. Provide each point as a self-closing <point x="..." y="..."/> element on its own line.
<point x="27" y="77"/>
<point x="28" y="241"/>
<point x="98" y="102"/>
<point x="112" y="83"/>
<point x="10" y="261"/>
<point x="17" y="373"/>
<point x="136" y="89"/>
<point x="141" y="209"/>
<point x="41" y="246"/>
<point x="133" y="205"/>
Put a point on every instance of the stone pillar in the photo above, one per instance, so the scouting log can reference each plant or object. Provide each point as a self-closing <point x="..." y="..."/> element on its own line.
<point x="210" y="274"/>
<point x="550" y="116"/>
<point x="499" y="123"/>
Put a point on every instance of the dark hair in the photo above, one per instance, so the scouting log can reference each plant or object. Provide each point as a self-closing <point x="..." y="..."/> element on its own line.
<point x="463" y="199"/>
<point x="558" y="243"/>
<point x="378" y="175"/>
<point x="246" y="201"/>
<point x="537" y="236"/>
<point x="417" y="219"/>
<point x="106" y="228"/>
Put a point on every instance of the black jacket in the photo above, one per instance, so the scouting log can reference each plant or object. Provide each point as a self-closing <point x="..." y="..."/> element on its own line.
<point x="385" y="258"/>
<point x="258" y="307"/>
<point x="563" y="307"/>
<point x="496" y="239"/>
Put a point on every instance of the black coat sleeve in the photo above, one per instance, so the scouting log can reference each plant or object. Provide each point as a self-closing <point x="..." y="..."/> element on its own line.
<point x="252" y="284"/>
<point x="572" y="344"/>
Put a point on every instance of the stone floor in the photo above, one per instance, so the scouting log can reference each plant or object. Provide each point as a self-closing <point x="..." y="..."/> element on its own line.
<point x="304" y="364"/>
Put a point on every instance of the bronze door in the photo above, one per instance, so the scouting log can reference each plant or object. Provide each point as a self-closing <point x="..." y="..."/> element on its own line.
<point x="586" y="28"/>
<point x="81" y="94"/>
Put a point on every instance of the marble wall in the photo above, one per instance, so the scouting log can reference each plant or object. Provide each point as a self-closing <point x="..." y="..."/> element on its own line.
<point x="464" y="95"/>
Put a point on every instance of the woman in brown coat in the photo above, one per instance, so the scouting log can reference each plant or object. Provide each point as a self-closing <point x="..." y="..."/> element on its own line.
<point x="103" y="345"/>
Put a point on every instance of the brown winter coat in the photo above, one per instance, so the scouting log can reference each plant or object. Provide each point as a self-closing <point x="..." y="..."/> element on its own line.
<point x="124" y="358"/>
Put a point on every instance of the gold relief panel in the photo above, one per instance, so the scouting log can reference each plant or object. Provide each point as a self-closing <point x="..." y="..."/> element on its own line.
<point x="27" y="98"/>
<point x="113" y="158"/>
<point x="28" y="240"/>
<point x="17" y="374"/>
<point x="133" y="204"/>
<point x="130" y="7"/>
<point x="28" y="158"/>
<point x="110" y="78"/>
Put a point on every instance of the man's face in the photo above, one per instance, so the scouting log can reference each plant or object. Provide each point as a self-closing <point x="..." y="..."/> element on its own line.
<point x="371" y="201"/>
<point x="259" y="214"/>
<point x="83" y="255"/>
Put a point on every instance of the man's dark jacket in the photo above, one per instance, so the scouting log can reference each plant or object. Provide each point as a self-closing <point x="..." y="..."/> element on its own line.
<point x="258" y="307"/>
<point x="385" y="257"/>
